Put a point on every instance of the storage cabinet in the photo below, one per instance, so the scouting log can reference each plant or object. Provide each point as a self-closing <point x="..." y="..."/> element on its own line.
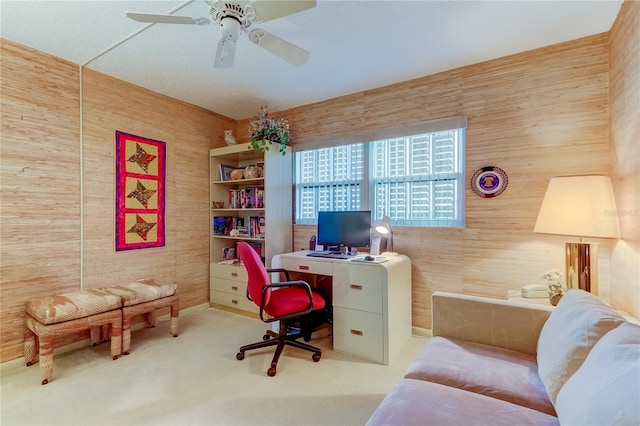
<point x="372" y="308"/>
<point x="240" y="203"/>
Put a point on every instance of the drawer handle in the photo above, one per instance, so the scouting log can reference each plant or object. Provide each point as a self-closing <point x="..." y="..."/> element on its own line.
<point x="234" y="288"/>
<point x="356" y="332"/>
<point x="235" y="302"/>
<point x="234" y="274"/>
<point x="304" y="268"/>
<point x="355" y="287"/>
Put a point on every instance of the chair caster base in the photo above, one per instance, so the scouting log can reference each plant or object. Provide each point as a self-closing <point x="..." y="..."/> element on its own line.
<point x="316" y="357"/>
<point x="271" y="372"/>
<point x="44" y="382"/>
<point x="240" y="356"/>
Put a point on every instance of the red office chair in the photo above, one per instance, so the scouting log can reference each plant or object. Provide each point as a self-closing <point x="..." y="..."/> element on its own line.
<point x="281" y="302"/>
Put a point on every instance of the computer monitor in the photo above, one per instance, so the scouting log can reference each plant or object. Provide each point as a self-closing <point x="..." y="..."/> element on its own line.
<point x="347" y="228"/>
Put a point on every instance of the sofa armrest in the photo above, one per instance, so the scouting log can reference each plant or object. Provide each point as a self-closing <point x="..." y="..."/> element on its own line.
<point x="509" y="325"/>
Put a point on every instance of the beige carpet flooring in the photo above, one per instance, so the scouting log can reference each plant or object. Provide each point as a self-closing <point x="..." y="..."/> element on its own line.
<point x="195" y="379"/>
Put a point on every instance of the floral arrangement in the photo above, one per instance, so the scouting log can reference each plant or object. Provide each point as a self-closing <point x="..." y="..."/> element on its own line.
<point x="555" y="282"/>
<point x="265" y="131"/>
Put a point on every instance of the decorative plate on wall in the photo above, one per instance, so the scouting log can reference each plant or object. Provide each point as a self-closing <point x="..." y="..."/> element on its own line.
<point x="489" y="181"/>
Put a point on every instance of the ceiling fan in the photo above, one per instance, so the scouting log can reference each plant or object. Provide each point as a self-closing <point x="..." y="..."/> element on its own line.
<point x="235" y="18"/>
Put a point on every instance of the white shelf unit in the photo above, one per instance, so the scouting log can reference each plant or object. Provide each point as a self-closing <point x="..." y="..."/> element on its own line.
<point x="227" y="283"/>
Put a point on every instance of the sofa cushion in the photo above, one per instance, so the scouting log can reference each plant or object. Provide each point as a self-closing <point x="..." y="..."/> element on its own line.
<point x="606" y="388"/>
<point x="488" y="370"/>
<point x="573" y="328"/>
<point x="417" y="402"/>
<point x="71" y="306"/>
<point x="142" y="291"/>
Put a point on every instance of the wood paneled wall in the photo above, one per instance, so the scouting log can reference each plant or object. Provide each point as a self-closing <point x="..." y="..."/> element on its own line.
<point x="537" y="114"/>
<point x="624" y="95"/>
<point x="41" y="244"/>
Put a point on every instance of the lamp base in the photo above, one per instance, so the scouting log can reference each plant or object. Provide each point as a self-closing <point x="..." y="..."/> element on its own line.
<point x="582" y="266"/>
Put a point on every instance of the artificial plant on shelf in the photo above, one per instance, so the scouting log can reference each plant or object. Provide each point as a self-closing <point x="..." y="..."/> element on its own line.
<point x="555" y="283"/>
<point x="266" y="131"/>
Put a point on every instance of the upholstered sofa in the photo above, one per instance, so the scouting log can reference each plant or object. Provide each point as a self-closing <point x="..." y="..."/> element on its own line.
<point x="495" y="362"/>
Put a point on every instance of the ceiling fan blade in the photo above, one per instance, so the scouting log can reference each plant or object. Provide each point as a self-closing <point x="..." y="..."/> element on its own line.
<point x="225" y="54"/>
<point x="166" y="19"/>
<point x="279" y="47"/>
<point x="266" y="10"/>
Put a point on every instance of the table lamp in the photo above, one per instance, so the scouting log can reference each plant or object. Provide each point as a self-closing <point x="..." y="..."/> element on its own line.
<point x="384" y="228"/>
<point x="582" y="206"/>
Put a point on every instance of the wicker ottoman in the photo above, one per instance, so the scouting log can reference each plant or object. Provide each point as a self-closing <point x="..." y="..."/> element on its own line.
<point x="145" y="297"/>
<point x="52" y="316"/>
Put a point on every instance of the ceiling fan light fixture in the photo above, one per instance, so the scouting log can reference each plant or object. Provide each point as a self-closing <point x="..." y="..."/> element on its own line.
<point x="231" y="28"/>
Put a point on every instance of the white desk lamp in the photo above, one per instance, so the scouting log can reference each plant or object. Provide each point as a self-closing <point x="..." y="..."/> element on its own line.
<point x="582" y="206"/>
<point x="384" y="228"/>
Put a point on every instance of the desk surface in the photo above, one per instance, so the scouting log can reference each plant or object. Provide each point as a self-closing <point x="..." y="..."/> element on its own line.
<point x="383" y="260"/>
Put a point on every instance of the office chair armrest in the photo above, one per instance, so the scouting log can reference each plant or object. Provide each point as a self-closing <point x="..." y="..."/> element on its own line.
<point x="298" y="283"/>
<point x="284" y="271"/>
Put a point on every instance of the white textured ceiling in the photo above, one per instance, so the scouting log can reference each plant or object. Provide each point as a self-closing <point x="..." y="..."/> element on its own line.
<point x="354" y="45"/>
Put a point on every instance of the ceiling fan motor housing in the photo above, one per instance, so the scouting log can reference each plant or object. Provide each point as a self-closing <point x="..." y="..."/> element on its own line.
<point x="231" y="28"/>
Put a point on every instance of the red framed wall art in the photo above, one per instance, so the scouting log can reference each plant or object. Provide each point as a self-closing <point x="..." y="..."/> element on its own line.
<point x="140" y="192"/>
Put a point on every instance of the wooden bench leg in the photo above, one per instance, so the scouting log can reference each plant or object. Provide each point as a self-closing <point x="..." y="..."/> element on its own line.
<point x="126" y="334"/>
<point x="175" y="313"/>
<point x="116" y="335"/>
<point x="46" y="358"/>
<point x="29" y="347"/>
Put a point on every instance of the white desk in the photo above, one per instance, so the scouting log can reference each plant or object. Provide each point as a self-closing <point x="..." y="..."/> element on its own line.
<point x="371" y="302"/>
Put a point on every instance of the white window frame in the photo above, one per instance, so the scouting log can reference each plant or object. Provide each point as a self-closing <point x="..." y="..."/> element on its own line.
<point x="311" y="190"/>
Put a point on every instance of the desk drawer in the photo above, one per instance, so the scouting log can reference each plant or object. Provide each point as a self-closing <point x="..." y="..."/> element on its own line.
<point x="358" y="287"/>
<point x="230" y="272"/>
<point x="358" y="333"/>
<point x="234" y="301"/>
<point x="309" y="266"/>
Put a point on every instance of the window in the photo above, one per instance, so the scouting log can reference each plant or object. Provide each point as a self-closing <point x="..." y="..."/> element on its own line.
<point x="416" y="180"/>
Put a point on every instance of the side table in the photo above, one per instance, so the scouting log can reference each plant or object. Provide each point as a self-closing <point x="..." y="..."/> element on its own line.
<point x="516" y="296"/>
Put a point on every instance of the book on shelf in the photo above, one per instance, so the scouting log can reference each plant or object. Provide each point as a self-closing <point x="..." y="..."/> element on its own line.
<point x="247" y="198"/>
<point x="262" y="226"/>
<point x="222" y="225"/>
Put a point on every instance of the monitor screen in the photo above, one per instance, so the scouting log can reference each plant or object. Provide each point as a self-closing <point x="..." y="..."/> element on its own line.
<point x="352" y="229"/>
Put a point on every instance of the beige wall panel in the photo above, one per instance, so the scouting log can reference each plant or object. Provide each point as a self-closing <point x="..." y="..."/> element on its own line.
<point x="40" y="211"/>
<point x="624" y="93"/>
<point x="415" y="101"/>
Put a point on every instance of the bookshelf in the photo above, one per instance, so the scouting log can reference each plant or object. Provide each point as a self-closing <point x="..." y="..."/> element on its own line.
<point x="256" y="210"/>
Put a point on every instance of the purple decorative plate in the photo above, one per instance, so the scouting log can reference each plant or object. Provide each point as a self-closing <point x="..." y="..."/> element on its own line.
<point x="489" y="182"/>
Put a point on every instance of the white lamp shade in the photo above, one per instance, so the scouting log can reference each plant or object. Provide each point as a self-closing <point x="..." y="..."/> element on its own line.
<point x="583" y="206"/>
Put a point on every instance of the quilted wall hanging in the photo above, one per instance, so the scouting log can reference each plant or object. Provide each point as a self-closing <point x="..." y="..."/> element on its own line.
<point x="140" y="192"/>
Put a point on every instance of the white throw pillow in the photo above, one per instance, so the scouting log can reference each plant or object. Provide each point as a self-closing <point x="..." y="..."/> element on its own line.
<point x="606" y="389"/>
<point x="573" y="328"/>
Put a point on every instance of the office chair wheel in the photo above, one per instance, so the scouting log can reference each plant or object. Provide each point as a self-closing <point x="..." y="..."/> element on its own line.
<point x="266" y="337"/>
<point x="271" y="372"/>
<point x="240" y="356"/>
<point x="316" y="357"/>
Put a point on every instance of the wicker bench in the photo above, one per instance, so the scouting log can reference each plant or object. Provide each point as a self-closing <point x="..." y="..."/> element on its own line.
<point x="53" y="316"/>
<point x="107" y="312"/>
<point x="145" y="297"/>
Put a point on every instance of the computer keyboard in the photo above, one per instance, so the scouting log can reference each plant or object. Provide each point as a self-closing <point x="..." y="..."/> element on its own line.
<point x="330" y="254"/>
